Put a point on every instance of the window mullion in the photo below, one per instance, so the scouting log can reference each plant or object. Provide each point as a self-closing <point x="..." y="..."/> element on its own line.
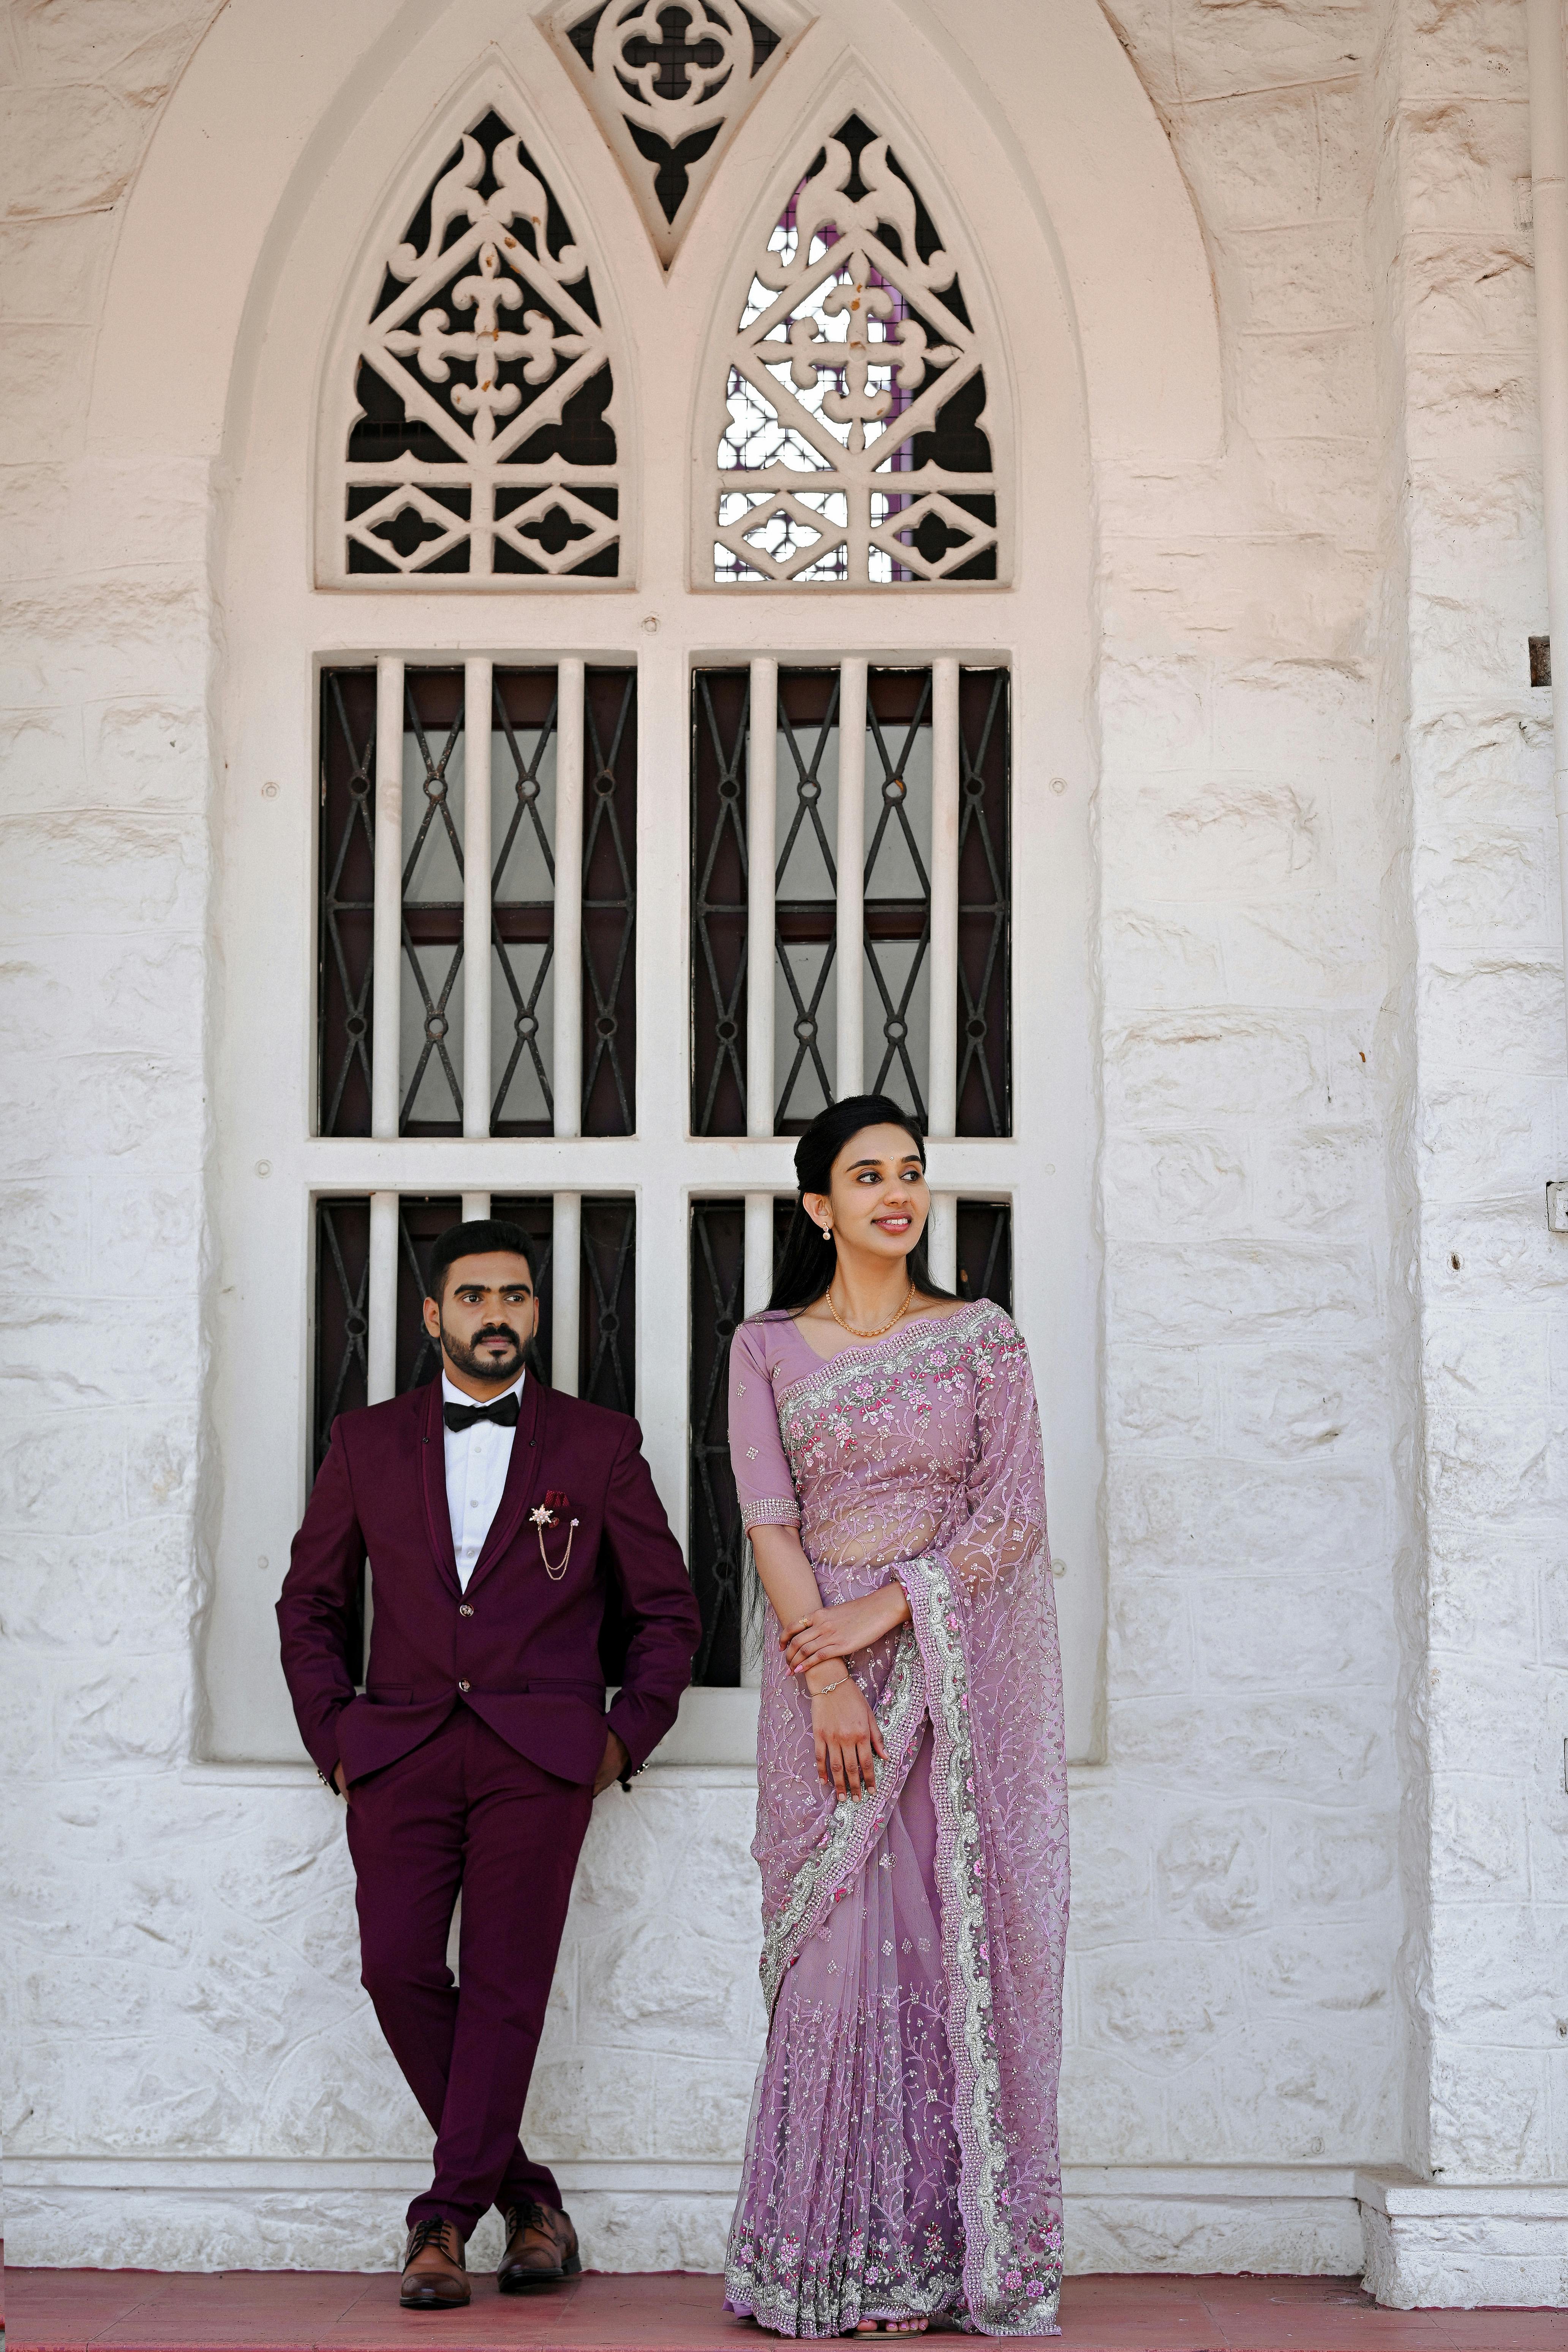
<point x="478" y="689"/>
<point x="941" y="1078"/>
<point x="567" y="961"/>
<point x="387" y="951"/>
<point x="565" y="1268"/>
<point x="759" y="1281"/>
<point x="850" y="951"/>
<point x="381" y="1310"/>
<point x="941" y="1084"/>
<point x="761" y="815"/>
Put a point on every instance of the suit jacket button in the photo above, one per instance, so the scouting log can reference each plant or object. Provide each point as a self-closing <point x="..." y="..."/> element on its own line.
<point x="463" y="1686"/>
<point x="464" y="1609"/>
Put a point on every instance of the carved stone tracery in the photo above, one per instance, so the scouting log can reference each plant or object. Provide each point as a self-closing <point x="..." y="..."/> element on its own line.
<point x="669" y="82"/>
<point x="854" y="450"/>
<point x="484" y="439"/>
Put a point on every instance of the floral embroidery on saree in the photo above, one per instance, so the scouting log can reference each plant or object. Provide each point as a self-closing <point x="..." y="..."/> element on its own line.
<point x="921" y="1458"/>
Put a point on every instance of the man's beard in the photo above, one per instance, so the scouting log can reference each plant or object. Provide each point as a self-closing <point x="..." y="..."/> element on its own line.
<point x="485" y="1368"/>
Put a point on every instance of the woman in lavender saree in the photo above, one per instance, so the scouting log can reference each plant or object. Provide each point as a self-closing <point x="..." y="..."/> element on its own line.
<point x="901" y="2161"/>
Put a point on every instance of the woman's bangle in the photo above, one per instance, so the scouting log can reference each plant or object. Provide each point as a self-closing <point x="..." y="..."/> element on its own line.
<point x="843" y="1677"/>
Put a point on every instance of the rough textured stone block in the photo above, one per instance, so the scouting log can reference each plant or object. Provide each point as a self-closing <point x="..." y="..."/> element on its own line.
<point x="1314" y="1521"/>
<point x="115" y="873"/>
<point x="1333" y="1862"/>
<point x="1218" y="1063"/>
<point x="1163" y="2001"/>
<point x="1273" y="1632"/>
<point x="41" y="754"/>
<point x="1464" y="160"/>
<point x="1225" y="837"/>
<point x="55" y="271"/>
<point x="1488" y="2111"/>
<point x="1299" y="1746"/>
<point x="1106" y="2115"/>
<point x="1150" y="1636"/>
<point x="1160" y="1183"/>
<point x="1212" y="1871"/>
<point x="1297" y="1401"/>
<point x="65" y="150"/>
<point x="1298" y="384"/>
<point x="1478" y="884"/>
<point x="1153" y="958"/>
<point x="1284" y="278"/>
<point x="36" y="538"/>
<point x="1110" y="1868"/>
<point x="1498" y="1013"/>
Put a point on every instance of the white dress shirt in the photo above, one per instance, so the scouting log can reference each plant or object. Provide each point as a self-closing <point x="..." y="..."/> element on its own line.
<point x="478" y="1460"/>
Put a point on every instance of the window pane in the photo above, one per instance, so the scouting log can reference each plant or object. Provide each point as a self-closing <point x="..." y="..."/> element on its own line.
<point x="985" y="1251"/>
<point x="346" y="901"/>
<point x="522" y="928"/>
<point x="985" y="904"/>
<point x="715" y="1549"/>
<point x="606" y="1346"/>
<point x="341" y="1368"/>
<point x="897" y="884"/>
<point x="609" y="902"/>
<point x="720" y="708"/>
<point x="805" y="882"/>
<point x="430" y="1060"/>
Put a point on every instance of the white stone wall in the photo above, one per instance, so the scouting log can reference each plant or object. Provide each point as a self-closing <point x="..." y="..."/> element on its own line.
<point x="1237" y="1900"/>
<point x="1321" y="1880"/>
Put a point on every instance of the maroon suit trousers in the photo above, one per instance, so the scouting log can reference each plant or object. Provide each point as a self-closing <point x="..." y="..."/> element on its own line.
<point x="463" y="1811"/>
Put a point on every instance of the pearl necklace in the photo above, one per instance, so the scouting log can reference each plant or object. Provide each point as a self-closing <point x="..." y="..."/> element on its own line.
<point x="854" y="1329"/>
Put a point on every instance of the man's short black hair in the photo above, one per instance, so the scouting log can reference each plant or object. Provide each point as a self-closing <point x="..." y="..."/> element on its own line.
<point x="476" y="1237"/>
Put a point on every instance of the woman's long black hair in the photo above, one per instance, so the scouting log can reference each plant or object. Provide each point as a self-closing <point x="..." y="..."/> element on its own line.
<point x="809" y="1261"/>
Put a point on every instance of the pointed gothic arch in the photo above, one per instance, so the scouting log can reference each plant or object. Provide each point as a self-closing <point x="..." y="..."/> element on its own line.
<point x="855" y="425"/>
<point x="473" y="401"/>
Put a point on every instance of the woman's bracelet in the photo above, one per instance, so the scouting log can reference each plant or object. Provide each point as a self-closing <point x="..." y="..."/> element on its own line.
<point x="844" y="1677"/>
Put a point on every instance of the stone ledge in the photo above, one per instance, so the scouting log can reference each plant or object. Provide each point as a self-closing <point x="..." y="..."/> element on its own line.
<point x="636" y="2214"/>
<point x="1452" y="2245"/>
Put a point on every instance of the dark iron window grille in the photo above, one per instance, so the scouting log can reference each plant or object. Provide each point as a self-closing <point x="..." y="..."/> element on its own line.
<point x="805" y="926"/>
<point x="606" y="1344"/>
<point x="720" y="736"/>
<point x="985" y="904"/>
<point x="715" y="1545"/>
<point x="341" y="1352"/>
<point x="345" y="887"/>
<point x="342" y="1324"/>
<point x="898" y="708"/>
<point x="525" y="702"/>
<point x="609" y="903"/>
<point x="433" y="927"/>
<point x="985" y="1251"/>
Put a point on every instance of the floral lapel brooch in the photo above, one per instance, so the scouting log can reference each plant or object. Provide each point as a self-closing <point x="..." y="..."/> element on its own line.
<point x="549" y="1514"/>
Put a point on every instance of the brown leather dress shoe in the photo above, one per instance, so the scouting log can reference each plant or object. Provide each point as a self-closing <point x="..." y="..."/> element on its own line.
<point x="434" y="2278"/>
<point x="541" y="2249"/>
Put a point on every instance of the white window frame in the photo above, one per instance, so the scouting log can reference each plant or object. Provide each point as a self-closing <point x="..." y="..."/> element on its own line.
<point x="281" y="629"/>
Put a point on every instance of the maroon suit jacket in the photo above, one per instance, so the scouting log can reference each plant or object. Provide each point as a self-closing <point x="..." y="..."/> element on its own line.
<point x="523" y="1650"/>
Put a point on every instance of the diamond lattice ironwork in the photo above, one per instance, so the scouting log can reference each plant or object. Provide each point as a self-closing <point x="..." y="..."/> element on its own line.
<point x="721" y="735"/>
<point x="345" y="890"/>
<point x="610" y="903"/>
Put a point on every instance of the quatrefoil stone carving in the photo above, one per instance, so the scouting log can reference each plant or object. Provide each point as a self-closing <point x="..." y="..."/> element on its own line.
<point x="669" y="83"/>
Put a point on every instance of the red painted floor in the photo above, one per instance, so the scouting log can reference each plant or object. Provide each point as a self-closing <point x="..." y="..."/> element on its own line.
<point x="289" y="2311"/>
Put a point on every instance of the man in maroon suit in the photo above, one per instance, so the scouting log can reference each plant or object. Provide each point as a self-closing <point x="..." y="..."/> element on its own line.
<point x="518" y="1550"/>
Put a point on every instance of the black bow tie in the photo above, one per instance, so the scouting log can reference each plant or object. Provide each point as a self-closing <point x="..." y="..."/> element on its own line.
<point x="503" y="1412"/>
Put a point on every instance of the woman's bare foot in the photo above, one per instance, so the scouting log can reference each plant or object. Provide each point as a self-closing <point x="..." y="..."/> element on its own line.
<point x="891" y="2327"/>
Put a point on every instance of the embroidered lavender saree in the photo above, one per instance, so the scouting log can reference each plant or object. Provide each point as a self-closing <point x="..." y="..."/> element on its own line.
<point x="902" y="2159"/>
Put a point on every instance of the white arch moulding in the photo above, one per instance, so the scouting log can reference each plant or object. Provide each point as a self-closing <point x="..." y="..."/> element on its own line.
<point x="274" y="87"/>
<point x="284" y="153"/>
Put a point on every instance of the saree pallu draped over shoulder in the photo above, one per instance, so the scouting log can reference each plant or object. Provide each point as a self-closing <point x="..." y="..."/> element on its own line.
<point x="902" y="2158"/>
